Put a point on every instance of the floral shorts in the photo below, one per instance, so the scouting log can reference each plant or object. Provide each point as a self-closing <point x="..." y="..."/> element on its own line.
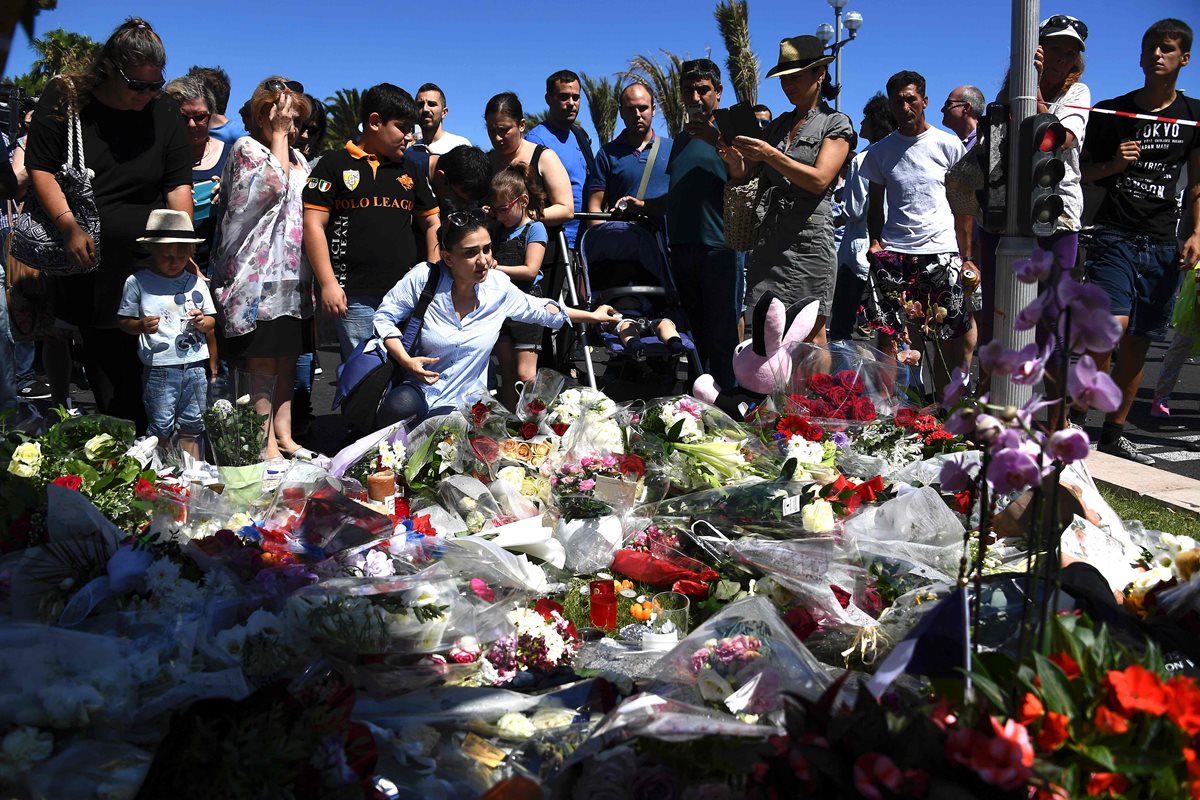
<point x="922" y="291"/>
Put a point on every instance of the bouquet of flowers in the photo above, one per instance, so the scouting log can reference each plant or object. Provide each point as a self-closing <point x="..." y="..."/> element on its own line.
<point x="436" y="448"/>
<point x="595" y="485"/>
<point x="543" y="639"/>
<point x="573" y="405"/>
<point x="844" y="383"/>
<point x="537" y="395"/>
<point x="701" y="446"/>
<point x="236" y="432"/>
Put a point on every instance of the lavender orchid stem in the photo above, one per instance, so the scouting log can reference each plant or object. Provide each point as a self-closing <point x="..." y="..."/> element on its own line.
<point x="985" y="527"/>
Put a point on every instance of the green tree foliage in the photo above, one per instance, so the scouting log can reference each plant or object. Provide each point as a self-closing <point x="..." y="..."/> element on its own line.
<point x="59" y="51"/>
<point x="741" y="65"/>
<point x="664" y="80"/>
<point x="603" y="98"/>
<point x="343" y="116"/>
<point x="13" y="12"/>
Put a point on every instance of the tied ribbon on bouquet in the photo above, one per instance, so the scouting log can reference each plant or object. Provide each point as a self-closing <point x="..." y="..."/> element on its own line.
<point x="846" y="495"/>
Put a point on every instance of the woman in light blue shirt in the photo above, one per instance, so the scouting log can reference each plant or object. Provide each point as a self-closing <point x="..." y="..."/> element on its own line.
<point x="461" y="324"/>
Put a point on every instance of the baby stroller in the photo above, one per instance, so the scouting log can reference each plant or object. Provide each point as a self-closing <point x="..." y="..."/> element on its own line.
<point x="624" y="263"/>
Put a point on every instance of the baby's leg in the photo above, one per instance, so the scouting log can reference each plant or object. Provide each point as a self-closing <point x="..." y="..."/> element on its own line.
<point x="668" y="334"/>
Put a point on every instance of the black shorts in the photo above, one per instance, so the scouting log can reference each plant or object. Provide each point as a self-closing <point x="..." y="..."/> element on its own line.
<point x="282" y="337"/>
<point x="523" y="335"/>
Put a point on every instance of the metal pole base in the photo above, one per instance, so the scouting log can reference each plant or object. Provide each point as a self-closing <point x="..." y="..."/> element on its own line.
<point x="1011" y="296"/>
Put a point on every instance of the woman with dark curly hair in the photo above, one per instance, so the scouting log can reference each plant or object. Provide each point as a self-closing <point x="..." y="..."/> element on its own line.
<point x="136" y="146"/>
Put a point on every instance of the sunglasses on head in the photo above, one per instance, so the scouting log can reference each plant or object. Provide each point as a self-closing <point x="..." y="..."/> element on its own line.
<point x="1060" y="22"/>
<point x="461" y="219"/>
<point x="140" y="86"/>
<point x="697" y="65"/>
<point x="277" y="85"/>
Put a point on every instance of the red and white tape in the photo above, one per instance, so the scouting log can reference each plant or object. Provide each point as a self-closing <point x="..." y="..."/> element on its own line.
<point x="1130" y="115"/>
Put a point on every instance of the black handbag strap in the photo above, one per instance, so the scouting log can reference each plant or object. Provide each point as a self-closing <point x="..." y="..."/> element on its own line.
<point x="412" y="328"/>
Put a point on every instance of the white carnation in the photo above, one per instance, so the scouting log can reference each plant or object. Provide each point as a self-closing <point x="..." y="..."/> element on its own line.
<point x="515" y="725"/>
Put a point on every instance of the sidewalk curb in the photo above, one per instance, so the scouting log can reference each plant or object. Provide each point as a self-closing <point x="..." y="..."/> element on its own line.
<point x="1177" y="492"/>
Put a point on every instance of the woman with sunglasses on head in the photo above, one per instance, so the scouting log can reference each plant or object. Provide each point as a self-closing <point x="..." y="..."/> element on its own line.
<point x="262" y="284"/>
<point x="136" y="146"/>
<point x="460" y="328"/>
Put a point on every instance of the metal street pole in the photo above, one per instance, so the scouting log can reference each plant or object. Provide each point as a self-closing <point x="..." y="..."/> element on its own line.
<point x="1011" y="294"/>
<point x="837" y="59"/>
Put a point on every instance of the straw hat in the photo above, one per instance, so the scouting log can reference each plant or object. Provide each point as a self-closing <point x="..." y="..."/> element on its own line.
<point x="166" y="227"/>
<point x="797" y="53"/>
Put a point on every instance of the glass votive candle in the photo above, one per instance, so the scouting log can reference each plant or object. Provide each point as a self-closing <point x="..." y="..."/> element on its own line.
<point x="602" y="611"/>
<point x="670" y="614"/>
<point x="602" y="587"/>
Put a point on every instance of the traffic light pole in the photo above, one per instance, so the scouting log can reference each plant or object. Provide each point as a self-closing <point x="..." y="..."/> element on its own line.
<point x="1011" y="294"/>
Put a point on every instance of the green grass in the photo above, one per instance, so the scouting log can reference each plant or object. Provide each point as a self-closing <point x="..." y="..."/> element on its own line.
<point x="1152" y="514"/>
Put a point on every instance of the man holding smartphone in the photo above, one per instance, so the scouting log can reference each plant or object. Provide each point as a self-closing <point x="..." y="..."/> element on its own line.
<point x="704" y="267"/>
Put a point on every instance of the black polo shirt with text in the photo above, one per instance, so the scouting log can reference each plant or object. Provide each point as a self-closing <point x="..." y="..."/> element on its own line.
<point x="371" y="204"/>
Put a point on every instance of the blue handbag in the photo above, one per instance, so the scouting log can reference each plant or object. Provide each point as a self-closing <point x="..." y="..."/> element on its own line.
<point x="364" y="377"/>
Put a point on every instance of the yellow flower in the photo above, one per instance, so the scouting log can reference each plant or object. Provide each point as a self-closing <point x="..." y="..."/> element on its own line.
<point x="26" y="460"/>
<point x="95" y="447"/>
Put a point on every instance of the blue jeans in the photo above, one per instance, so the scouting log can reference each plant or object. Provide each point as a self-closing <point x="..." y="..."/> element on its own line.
<point x="406" y="402"/>
<point x="707" y="281"/>
<point x="356" y="325"/>
<point x="175" y="396"/>
<point x="1140" y="275"/>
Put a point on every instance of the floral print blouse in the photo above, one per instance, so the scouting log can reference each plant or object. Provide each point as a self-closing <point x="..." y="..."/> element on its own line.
<point x="258" y="272"/>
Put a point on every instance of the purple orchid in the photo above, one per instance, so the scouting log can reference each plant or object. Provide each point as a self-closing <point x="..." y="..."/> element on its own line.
<point x="954" y="390"/>
<point x="962" y="421"/>
<point x="987" y="428"/>
<point x="1068" y="446"/>
<point x="1092" y="387"/>
<point x="1093" y="328"/>
<point x="997" y="359"/>
<point x="1011" y="470"/>
<point x="1030" y="364"/>
<point x="1038" y="267"/>
<point x="955" y="475"/>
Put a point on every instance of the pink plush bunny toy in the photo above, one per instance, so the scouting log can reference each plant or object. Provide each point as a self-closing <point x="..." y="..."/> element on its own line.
<point x="764" y="362"/>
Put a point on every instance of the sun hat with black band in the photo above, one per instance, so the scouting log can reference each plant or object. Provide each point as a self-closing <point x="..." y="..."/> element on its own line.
<point x="799" y="53"/>
<point x="166" y="226"/>
<point x="1063" y="25"/>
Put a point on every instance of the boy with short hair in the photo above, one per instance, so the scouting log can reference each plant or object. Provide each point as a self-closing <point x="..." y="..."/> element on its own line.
<point x="1135" y="254"/>
<point x="171" y="311"/>
<point x="359" y="206"/>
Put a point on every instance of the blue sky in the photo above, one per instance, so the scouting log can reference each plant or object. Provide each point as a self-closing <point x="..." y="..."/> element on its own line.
<point x="476" y="48"/>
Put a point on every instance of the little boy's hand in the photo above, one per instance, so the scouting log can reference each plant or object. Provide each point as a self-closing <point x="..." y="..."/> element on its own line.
<point x="200" y="321"/>
<point x="150" y="324"/>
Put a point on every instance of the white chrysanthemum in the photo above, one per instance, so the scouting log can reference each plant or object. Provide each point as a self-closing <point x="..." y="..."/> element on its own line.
<point x="232" y="641"/>
<point x="162" y="575"/>
<point x="804" y="451"/>
<point x="222" y="408"/>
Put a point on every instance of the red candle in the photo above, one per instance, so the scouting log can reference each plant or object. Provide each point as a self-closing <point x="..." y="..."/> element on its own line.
<point x="602" y="611"/>
<point x="601" y="587"/>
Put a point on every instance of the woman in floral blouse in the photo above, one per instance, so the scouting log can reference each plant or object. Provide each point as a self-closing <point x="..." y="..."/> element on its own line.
<point x="263" y="287"/>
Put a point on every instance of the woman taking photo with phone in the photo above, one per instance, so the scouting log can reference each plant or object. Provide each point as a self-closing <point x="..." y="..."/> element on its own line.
<point x="796" y="162"/>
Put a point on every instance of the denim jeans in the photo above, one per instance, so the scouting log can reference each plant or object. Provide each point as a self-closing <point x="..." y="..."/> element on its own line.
<point x="707" y="281"/>
<point x="1140" y="275"/>
<point x="406" y="402"/>
<point x="175" y="395"/>
<point x="356" y="325"/>
<point x="847" y="299"/>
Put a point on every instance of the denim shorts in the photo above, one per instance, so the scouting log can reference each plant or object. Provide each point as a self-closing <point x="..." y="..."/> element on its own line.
<point x="175" y="395"/>
<point x="1140" y="275"/>
<point x="357" y="324"/>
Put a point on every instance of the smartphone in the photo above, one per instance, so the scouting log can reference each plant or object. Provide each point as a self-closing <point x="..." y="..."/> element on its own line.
<point x="737" y="120"/>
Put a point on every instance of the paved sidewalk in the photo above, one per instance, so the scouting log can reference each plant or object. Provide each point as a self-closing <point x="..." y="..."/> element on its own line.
<point x="1175" y="491"/>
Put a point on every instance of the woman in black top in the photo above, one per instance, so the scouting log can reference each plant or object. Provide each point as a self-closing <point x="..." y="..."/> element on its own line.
<point x="135" y="144"/>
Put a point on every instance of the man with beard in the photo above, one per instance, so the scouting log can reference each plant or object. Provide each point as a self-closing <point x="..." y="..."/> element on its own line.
<point x="562" y="134"/>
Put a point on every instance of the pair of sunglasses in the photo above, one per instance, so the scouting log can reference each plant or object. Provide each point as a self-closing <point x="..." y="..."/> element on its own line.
<point x="201" y="120"/>
<point x="697" y="65"/>
<point x="277" y="85"/>
<point x="141" y="86"/>
<point x="1060" y="22"/>
<point x="461" y="219"/>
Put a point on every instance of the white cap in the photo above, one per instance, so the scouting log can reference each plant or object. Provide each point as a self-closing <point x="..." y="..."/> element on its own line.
<point x="1064" y="25"/>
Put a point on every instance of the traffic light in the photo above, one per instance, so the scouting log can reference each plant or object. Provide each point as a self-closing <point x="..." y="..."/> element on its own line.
<point x="1041" y="139"/>
<point x="993" y="197"/>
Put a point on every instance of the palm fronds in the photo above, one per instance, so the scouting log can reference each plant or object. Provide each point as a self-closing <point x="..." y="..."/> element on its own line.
<point x="733" y="20"/>
<point x="343" y="109"/>
<point x="664" y="80"/>
<point x="603" y="96"/>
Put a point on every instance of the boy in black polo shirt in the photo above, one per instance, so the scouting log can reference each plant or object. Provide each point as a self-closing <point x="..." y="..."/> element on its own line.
<point x="359" y="207"/>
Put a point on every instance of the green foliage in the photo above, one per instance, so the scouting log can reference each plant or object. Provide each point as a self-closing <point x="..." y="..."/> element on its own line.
<point x="741" y="64"/>
<point x="59" y="51"/>
<point x="343" y="108"/>
<point x="236" y="432"/>
<point x="604" y="99"/>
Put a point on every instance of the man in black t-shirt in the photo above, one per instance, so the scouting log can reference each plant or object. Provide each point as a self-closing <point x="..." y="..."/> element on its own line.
<point x="1136" y="256"/>
<point x="359" y="206"/>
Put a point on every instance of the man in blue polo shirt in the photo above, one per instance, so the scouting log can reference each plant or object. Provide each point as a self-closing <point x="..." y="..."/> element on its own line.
<point x="705" y="269"/>
<point x="562" y="134"/>
<point x="621" y="164"/>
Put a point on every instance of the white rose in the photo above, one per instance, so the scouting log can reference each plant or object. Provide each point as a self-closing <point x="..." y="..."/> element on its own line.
<point x="712" y="687"/>
<point x="817" y="516"/>
<point x="26" y="460"/>
<point x="244" y="400"/>
<point x="513" y="476"/>
<point x="549" y="719"/>
<point x="515" y="725"/>
<point x="94" y="449"/>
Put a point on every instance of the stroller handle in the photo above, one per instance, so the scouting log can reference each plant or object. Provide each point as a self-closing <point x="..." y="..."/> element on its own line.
<point x="608" y="216"/>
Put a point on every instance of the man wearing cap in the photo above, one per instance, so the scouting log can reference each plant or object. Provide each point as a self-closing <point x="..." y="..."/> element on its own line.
<point x="704" y="268"/>
<point x="1136" y="255"/>
<point x="916" y="290"/>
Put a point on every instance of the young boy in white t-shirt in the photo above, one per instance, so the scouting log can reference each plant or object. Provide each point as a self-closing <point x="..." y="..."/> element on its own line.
<point x="171" y="311"/>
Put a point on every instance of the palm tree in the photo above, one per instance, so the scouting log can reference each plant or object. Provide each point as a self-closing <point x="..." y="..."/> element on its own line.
<point x="664" y="80"/>
<point x="603" y="98"/>
<point x="733" y="20"/>
<point x="59" y="51"/>
<point x="14" y="12"/>
<point x="343" y="116"/>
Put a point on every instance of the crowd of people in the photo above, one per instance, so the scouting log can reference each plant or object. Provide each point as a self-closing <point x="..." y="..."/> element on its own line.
<point x="221" y="236"/>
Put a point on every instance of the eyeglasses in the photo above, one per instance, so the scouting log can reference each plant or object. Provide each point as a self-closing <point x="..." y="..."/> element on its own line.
<point x="953" y="103"/>
<point x="141" y="86"/>
<point x="461" y="219"/>
<point x="201" y="120"/>
<point x="1060" y="22"/>
<point x="277" y="85"/>
<point x="509" y="204"/>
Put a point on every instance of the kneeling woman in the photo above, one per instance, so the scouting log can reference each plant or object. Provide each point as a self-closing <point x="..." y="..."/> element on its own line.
<point x="461" y="324"/>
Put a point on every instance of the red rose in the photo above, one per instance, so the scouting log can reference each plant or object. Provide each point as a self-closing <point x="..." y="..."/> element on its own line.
<point x="559" y="428"/>
<point x="486" y="448"/>
<point x="849" y="379"/>
<point x="800" y="622"/>
<point x="839" y="398"/>
<point x="632" y="465"/>
<point x="144" y="490"/>
<point x="820" y="382"/>
<point x="905" y="417"/>
<point x="535" y="407"/>
<point x="479" y="413"/>
<point x="818" y="408"/>
<point x="841" y="594"/>
<point x="863" y="409"/>
<point x="814" y="433"/>
<point x="72" y="482"/>
<point x="529" y="430"/>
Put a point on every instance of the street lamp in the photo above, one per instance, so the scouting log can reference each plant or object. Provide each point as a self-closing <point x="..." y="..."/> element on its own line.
<point x="827" y="33"/>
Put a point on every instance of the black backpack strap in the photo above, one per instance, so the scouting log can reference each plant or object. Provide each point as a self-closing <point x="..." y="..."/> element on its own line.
<point x="538" y="149"/>
<point x="412" y="328"/>
<point x="585" y="146"/>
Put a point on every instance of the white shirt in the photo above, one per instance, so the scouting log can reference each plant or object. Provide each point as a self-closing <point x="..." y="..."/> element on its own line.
<point x="856" y="239"/>
<point x="1074" y="120"/>
<point x="448" y="142"/>
<point x="177" y="341"/>
<point x="913" y="171"/>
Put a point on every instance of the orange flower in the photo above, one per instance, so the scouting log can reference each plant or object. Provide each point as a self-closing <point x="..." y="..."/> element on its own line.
<point x="1067" y="664"/>
<point x="1054" y="731"/>
<point x="1184" y="708"/>
<point x="1031" y="709"/>
<point x="1110" y="722"/>
<point x="1109" y="784"/>
<point x="1193" y="766"/>
<point x="1137" y="689"/>
<point x="1051" y="792"/>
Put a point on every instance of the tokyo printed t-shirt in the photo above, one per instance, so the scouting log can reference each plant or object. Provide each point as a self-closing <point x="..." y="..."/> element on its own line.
<point x="371" y="204"/>
<point x="176" y="341"/>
